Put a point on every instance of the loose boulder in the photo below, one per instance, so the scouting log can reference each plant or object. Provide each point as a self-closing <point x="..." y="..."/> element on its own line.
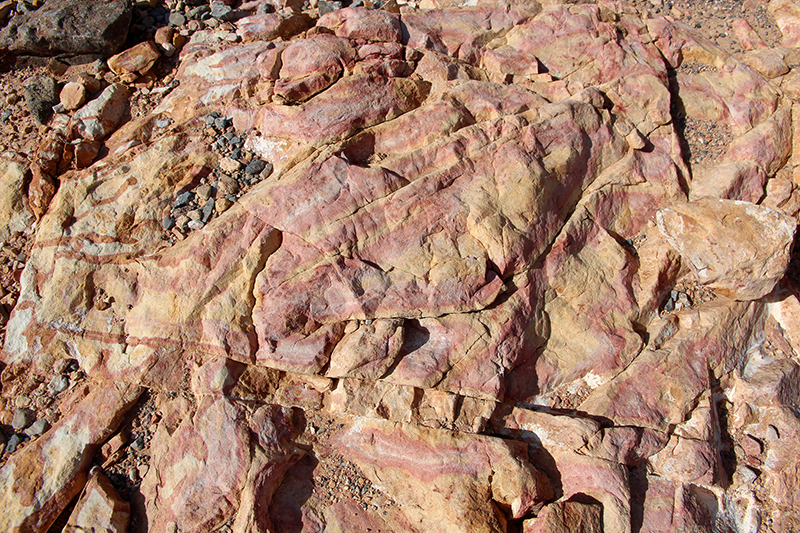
<point x="69" y="27"/>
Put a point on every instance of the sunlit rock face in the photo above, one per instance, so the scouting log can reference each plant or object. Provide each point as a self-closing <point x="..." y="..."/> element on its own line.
<point x="457" y="275"/>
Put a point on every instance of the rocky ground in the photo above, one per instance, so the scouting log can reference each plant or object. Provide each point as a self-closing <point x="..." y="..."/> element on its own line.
<point x="399" y="266"/>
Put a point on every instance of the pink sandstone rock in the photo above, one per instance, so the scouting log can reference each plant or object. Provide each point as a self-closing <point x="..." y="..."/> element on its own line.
<point x="42" y="479"/>
<point x="182" y="487"/>
<point x="99" y="508"/>
<point x="450" y="466"/>
<point x="456" y="274"/>
<point x="14" y="213"/>
<point x="563" y="517"/>
<point x="361" y="23"/>
<point x="312" y="65"/>
<point x="704" y="233"/>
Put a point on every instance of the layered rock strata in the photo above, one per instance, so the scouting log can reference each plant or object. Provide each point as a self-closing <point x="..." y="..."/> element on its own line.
<point x="451" y="306"/>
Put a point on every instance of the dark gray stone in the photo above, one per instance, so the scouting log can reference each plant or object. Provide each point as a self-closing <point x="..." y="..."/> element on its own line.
<point x="255" y="167"/>
<point x="183" y="199"/>
<point x="69" y="26"/>
<point x="168" y="223"/>
<point x="23" y="417"/>
<point x="198" y="12"/>
<point x="221" y="11"/>
<point x="41" y="95"/>
<point x="208" y="210"/>
<point x="222" y="123"/>
<point x="58" y="384"/>
<point x="37" y="428"/>
<point x="328" y="7"/>
<point x="13" y="442"/>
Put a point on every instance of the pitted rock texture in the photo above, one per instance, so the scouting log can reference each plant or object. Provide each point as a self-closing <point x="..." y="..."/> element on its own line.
<point x="69" y="26"/>
<point x="438" y="268"/>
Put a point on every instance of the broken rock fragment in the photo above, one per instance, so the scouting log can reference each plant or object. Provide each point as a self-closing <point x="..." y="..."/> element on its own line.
<point x="135" y="61"/>
<point x="99" y="509"/>
<point x="102" y="115"/>
<point x="738" y="249"/>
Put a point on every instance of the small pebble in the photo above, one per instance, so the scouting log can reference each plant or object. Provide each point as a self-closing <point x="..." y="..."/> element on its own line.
<point x="229" y="165"/>
<point x="58" y="384"/>
<point x="13" y="442"/>
<point x="23" y="417"/>
<point x="208" y="209"/>
<point x="22" y="400"/>
<point x="177" y="19"/>
<point x="138" y="444"/>
<point x="168" y="223"/>
<point x="222" y="205"/>
<point x="255" y="167"/>
<point x="183" y="199"/>
<point x="181" y="222"/>
<point x="196" y="224"/>
<point x="221" y="11"/>
<point x="37" y="428"/>
<point x="204" y="191"/>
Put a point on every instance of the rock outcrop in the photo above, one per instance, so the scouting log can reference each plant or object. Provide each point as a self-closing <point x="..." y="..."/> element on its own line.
<point x="450" y="268"/>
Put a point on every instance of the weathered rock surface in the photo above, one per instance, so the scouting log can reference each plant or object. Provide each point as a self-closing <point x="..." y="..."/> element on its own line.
<point x="42" y="479"/>
<point x="14" y="212"/>
<point x="134" y="61"/>
<point x="99" y="509"/>
<point x="705" y="233"/>
<point x="455" y="269"/>
<point x="102" y="115"/>
<point x="69" y="26"/>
